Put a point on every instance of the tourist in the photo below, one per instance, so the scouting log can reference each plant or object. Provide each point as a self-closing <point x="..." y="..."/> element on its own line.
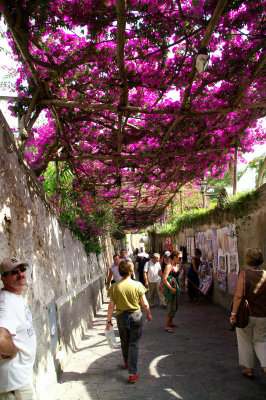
<point x="251" y="340"/>
<point x="17" y="336"/>
<point x="193" y="276"/>
<point x="165" y="259"/>
<point x="170" y="278"/>
<point x="124" y="256"/>
<point x="127" y="295"/>
<point x="135" y="253"/>
<point x="114" y="272"/>
<point x="152" y="277"/>
<point x="141" y="260"/>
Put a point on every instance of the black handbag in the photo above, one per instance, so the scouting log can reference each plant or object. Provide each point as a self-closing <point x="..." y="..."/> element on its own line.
<point x="243" y="311"/>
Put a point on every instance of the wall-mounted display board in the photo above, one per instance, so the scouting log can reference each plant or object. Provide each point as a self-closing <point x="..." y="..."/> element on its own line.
<point x="190" y="247"/>
<point x="219" y="255"/>
<point x="228" y="266"/>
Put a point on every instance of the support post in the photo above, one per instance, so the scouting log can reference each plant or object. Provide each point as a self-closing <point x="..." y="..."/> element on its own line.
<point x="235" y="173"/>
<point x="204" y="200"/>
<point x="181" y="201"/>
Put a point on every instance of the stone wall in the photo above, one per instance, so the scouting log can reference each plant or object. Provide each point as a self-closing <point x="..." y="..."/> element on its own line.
<point x="65" y="285"/>
<point x="252" y="233"/>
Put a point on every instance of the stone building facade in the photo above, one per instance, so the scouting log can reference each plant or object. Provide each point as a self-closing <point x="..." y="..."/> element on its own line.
<point x="65" y="285"/>
<point x="250" y="232"/>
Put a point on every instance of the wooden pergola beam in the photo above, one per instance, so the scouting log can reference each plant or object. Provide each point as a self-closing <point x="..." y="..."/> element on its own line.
<point x="134" y="157"/>
<point x="138" y="110"/>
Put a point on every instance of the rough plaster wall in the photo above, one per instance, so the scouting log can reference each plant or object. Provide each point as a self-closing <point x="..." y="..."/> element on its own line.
<point x="252" y="234"/>
<point x="59" y="270"/>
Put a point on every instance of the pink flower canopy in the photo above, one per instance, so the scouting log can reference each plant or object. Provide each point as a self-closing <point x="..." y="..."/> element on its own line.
<point x="131" y="106"/>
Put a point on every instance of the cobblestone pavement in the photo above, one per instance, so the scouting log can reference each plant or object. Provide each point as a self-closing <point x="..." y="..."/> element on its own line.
<point x="198" y="361"/>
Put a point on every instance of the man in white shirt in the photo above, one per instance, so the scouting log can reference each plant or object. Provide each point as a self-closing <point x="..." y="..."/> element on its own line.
<point x="114" y="272"/>
<point x="17" y="336"/>
<point x="152" y="276"/>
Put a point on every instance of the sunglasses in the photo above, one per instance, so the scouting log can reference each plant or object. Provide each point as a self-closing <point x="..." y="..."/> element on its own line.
<point x="15" y="271"/>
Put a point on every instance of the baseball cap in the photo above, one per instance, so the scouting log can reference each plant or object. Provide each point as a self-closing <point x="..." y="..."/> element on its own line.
<point x="8" y="264"/>
<point x="167" y="253"/>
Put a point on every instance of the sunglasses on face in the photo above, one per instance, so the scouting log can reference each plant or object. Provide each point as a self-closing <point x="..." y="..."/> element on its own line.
<point x="15" y="271"/>
<point x="21" y="269"/>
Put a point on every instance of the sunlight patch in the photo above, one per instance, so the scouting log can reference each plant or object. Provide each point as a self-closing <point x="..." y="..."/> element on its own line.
<point x="173" y="393"/>
<point x="153" y="365"/>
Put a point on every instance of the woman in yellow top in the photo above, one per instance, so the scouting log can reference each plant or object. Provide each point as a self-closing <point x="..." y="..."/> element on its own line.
<point x="127" y="295"/>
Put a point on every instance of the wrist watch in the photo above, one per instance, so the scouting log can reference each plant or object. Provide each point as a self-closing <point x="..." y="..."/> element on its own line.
<point x="108" y="322"/>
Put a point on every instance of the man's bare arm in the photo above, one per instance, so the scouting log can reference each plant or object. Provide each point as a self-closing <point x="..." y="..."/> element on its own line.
<point x="145" y="279"/>
<point x="7" y="347"/>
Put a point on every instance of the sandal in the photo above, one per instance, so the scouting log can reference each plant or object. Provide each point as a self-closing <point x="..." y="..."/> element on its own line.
<point x="174" y="325"/>
<point x="169" y="330"/>
<point x="248" y="373"/>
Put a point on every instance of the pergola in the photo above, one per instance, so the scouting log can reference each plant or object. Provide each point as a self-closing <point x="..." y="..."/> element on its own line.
<point x="131" y="109"/>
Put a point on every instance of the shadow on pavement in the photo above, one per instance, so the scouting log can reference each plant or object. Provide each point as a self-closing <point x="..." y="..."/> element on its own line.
<point x="198" y="361"/>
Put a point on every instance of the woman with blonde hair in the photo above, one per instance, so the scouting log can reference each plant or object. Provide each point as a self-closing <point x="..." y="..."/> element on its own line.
<point x="252" y="338"/>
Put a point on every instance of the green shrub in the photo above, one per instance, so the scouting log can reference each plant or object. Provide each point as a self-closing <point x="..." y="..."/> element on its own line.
<point x="235" y="208"/>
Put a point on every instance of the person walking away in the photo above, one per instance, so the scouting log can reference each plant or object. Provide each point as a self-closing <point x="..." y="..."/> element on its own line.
<point x="127" y="295"/>
<point x="124" y="256"/>
<point x="114" y="272"/>
<point x="141" y="260"/>
<point x="170" y="278"/>
<point x="152" y="277"/>
<point x="193" y="276"/>
<point x="17" y="336"/>
<point x="252" y="338"/>
<point x="165" y="259"/>
<point x="135" y="253"/>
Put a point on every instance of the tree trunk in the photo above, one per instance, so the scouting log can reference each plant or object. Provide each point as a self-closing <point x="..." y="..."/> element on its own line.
<point x="260" y="174"/>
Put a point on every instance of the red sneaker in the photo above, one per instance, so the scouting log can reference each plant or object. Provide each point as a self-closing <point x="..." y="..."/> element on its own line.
<point x="133" y="378"/>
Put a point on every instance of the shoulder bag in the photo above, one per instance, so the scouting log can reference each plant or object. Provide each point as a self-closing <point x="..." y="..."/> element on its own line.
<point x="166" y="291"/>
<point x="243" y="311"/>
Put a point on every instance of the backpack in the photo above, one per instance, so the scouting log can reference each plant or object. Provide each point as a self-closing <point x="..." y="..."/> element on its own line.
<point x="142" y="261"/>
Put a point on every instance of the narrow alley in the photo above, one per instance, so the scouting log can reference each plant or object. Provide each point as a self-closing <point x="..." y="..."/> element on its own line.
<point x="199" y="361"/>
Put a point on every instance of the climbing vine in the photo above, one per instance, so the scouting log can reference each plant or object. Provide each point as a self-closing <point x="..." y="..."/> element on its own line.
<point x="89" y="220"/>
<point x="236" y="209"/>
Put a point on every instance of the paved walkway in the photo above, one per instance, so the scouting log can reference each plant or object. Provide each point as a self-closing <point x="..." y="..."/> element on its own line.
<point x="197" y="362"/>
